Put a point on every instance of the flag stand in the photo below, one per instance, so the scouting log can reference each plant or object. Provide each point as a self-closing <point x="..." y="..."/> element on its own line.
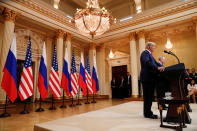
<point x="25" y="110"/>
<point x="93" y="101"/>
<point x="63" y="105"/>
<point x="52" y="104"/>
<point x="40" y="109"/>
<point x="78" y="101"/>
<point x="87" y="102"/>
<point x="5" y="114"/>
<point x="72" y="104"/>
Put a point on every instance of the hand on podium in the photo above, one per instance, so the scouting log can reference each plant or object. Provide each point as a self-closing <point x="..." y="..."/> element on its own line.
<point x="161" y="69"/>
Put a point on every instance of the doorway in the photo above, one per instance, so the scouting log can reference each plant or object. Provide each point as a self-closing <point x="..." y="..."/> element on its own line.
<point x="118" y="71"/>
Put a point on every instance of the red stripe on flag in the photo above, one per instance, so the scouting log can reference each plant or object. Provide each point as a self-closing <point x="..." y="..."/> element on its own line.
<point x="27" y="81"/>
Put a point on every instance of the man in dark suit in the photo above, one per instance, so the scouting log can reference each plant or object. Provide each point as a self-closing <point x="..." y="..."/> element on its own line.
<point x="122" y="87"/>
<point x="193" y="75"/>
<point x="114" y="88"/>
<point x="162" y="82"/>
<point x="148" y="74"/>
<point x="128" y="85"/>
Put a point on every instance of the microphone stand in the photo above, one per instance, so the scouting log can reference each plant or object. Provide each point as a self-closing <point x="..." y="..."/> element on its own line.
<point x="171" y="53"/>
<point x="175" y="57"/>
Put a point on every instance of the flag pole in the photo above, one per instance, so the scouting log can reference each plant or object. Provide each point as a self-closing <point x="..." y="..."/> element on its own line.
<point x="72" y="104"/>
<point x="63" y="105"/>
<point x="78" y="101"/>
<point x="5" y="114"/>
<point x="87" y="102"/>
<point x="25" y="111"/>
<point x="93" y="101"/>
<point x="40" y="109"/>
<point x="52" y="104"/>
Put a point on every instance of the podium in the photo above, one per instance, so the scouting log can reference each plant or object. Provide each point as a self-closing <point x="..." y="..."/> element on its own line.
<point x="175" y="75"/>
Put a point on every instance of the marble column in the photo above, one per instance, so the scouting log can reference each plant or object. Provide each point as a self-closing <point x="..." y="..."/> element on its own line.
<point x="68" y="45"/>
<point x="134" y="70"/>
<point x="60" y="49"/>
<point x="100" y="57"/>
<point x="92" y="53"/>
<point x="9" y="24"/>
<point x="142" y="44"/>
<point x="195" y="22"/>
<point x="59" y="46"/>
<point x="49" y="54"/>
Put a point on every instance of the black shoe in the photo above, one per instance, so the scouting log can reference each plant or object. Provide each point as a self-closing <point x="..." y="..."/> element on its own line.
<point x="152" y="116"/>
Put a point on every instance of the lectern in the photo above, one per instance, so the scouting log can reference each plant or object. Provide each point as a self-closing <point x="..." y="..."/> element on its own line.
<point x="175" y="75"/>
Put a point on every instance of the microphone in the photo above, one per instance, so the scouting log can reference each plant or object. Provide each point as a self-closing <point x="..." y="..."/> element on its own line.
<point x="168" y="52"/>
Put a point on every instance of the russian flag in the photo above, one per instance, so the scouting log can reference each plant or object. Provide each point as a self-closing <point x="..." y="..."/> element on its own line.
<point x="9" y="80"/>
<point x="82" y="77"/>
<point x="66" y="82"/>
<point x="95" y="82"/>
<point x="42" y="78"/>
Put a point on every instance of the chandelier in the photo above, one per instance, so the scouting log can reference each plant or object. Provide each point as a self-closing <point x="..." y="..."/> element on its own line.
<point x="92" y="20"/>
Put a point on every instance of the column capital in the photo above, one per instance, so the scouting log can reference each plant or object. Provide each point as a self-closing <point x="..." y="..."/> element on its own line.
<point x="194" y="19"/>
<point x="132" y="36"/>
<point x="68" y="36"/>
<point x="10" y="15"/>
<point x="102" y="46"/>
<point x="92" y="46"/>
<point x="141" y="34"/>
<point x="59" y="33"/>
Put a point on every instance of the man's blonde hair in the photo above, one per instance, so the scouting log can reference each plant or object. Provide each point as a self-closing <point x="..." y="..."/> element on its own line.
<point x="148" y="44"/>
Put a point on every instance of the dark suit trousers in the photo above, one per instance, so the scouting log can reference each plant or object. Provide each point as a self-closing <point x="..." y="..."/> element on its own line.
<point x="148" y="92"/>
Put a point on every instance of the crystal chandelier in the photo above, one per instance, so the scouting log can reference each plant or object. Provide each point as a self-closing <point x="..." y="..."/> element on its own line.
<point x="93" y="20"/>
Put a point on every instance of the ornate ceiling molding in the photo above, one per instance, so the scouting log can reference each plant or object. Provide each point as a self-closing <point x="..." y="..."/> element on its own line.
<point x="34" y="9"/>
<point x="172" y="12"/>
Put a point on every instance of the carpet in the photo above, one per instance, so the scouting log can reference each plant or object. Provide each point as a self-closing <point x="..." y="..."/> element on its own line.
<point x="123" y="117"/>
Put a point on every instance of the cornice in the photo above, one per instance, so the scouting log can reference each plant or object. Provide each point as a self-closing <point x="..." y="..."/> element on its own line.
<point x="169" y="13"/>
<point x="32" y="9"/>
<point x="172" y="12"/>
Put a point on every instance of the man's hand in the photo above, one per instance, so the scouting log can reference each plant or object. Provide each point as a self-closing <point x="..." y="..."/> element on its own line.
<point x="161" y="69"/>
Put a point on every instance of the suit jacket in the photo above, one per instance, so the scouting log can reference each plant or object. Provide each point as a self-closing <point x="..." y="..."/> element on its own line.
<point x="113" y="83"/>
<point x="193" y="76"/>
<point x="149" y="67"/>
<point x="126" y="80"/>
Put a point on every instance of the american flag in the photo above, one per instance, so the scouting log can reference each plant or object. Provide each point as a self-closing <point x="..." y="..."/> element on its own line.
<point x="88" y="76"/>
<point x="26" y="83"/>
<point x="54" y="84"/>
<point x="74" y="83"/>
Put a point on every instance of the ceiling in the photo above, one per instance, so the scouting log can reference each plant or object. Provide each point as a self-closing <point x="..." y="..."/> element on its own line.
<point x="119" y="8"/>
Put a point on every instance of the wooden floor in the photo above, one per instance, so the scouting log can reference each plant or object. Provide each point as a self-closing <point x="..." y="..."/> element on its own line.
<point x="18" y="122"/>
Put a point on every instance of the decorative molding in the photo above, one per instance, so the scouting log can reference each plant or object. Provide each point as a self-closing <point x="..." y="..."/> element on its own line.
<point x="10" y="15"/>
<point x="22" y="43"/>
<point x="171" y="12"/>
<point x="194" y="19"/>
<point x="68" y="36"/>
<point x="172" y="30"/>
<point x="140" y="34"/>
<point x="59" y="34"/>
<point x="132" y="36"/>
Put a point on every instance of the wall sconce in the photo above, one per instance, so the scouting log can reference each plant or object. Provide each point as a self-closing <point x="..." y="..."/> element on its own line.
<point x="56" y="4"/>
<point x="111" y="54"/>
<point x="168" y="43"/>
